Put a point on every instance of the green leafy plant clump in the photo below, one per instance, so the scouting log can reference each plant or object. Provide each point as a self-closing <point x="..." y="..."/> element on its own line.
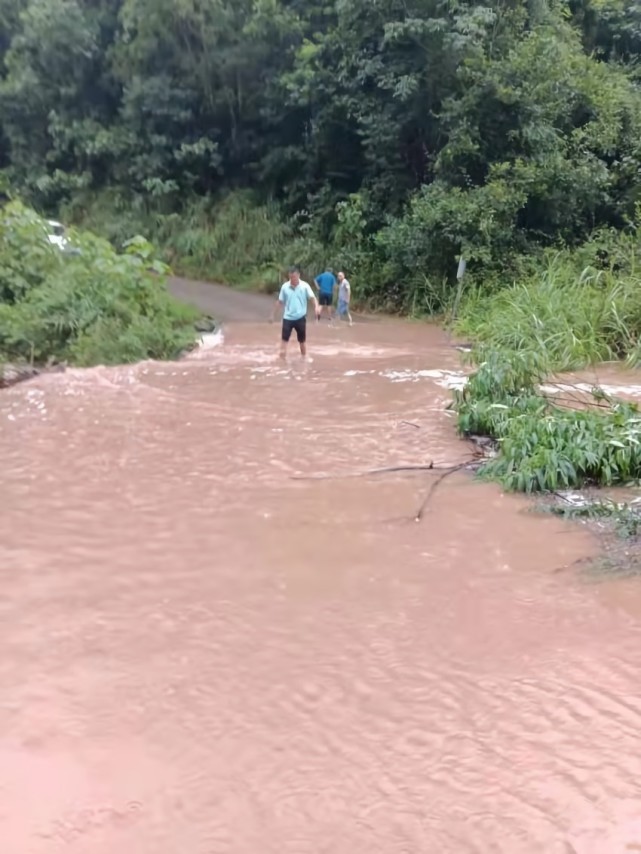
<point x="543" y="446"/>
<point x="88" y="306"/>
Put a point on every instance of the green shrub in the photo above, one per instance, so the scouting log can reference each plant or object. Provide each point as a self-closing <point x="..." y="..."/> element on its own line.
<point x="90" y="307"/>
<point x="543" y="446"/>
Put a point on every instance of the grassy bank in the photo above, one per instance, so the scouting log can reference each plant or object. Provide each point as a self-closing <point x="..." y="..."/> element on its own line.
<point x="571" y="307"/>
<point x="579" y="308"/>
<point x="92" y="307"/>
<point x="543" y="445"/>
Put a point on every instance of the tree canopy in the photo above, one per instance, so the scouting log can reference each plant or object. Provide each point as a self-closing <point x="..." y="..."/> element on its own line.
<point x="409" y="131"/>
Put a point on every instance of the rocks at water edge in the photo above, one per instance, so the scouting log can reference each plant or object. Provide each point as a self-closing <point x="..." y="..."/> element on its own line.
<point x="11" y="374"/>
<point x="205" y="324"/>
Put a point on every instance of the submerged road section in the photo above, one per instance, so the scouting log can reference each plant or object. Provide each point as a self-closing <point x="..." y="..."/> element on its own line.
<point x="222" y="635"/>
<point x="221" y="302"/>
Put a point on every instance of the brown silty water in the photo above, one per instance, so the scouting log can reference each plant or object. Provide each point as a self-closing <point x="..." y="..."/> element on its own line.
<point x="204" y="654"/>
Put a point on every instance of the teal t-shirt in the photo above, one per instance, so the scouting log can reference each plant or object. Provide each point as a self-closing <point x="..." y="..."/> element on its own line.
<point x="295" y="300"/>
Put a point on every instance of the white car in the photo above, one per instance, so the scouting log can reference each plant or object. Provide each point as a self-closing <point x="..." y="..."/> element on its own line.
<point x="56" y="234"/>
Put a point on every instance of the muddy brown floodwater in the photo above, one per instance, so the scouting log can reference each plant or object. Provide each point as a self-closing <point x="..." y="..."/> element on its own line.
<point x="203" y="655"/>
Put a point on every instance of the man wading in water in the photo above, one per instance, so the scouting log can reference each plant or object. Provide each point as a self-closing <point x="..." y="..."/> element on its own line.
<point x="294" y="296"/>
<point x="344" y="298"/>
<point x="325" y="284"/>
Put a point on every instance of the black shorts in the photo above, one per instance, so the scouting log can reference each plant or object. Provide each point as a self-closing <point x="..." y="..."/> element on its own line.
<point x="325" y="299"/>
<point x="299" y="325"/>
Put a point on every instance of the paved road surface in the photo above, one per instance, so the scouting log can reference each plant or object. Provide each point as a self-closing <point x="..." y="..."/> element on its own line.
<point x="221" y="302"/>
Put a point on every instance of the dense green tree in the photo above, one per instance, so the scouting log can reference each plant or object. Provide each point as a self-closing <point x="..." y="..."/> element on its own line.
<point x="400" y="133"/>
<point x="52" y="101"/>
<point x="610" y="27"/>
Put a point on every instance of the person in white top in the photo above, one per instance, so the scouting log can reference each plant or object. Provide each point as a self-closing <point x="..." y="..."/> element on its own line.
<point x="344" y="298"/>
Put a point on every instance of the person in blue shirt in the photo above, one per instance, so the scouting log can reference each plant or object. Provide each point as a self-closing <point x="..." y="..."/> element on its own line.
<point x="293" y="299"/>
<point x="325" y="284"/>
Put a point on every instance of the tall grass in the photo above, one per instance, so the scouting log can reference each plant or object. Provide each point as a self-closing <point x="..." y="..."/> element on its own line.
<point x="570" y="314"/>
<point x="233" y="240"/>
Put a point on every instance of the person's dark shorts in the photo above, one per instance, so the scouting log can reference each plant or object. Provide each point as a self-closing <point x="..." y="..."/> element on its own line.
<point x="325" y="299"/>
<point x="299" y="325"/>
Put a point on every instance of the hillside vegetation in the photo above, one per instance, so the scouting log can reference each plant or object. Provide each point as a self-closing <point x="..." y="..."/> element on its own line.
<point x="387" y="137"/>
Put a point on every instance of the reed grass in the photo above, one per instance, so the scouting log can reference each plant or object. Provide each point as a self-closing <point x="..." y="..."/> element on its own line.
<point x="572" y="316"/>
<point x="233" y="240"/>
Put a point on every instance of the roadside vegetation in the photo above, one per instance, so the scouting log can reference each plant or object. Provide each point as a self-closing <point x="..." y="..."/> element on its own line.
<point x="572" y="307"/>
<point x="558" y="441"/>
<point x="544" y="445"/>
<point x="91" y="307"/>
<point x="239" y="240"/>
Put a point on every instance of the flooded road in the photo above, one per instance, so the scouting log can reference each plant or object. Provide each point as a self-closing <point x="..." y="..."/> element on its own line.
<point x="216" y="642"/>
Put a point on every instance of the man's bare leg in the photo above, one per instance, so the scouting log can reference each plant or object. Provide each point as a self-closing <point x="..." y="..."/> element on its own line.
<point x="283" y="350"/>
<point x="303" y="350"/>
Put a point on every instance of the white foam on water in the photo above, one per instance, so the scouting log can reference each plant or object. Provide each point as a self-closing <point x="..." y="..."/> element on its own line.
<point x="444" y="378"/>
<point x="211" y="339"/>
<point x="207" y="342"/>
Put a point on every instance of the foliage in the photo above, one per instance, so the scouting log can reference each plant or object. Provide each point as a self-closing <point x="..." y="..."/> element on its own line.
<point x="544" y="446"/>
<point x="238" y="242"/>
<point x="398" y="136"/>
<point x="572" y="307"/>
<point x="234" y="240"/>
<point x="92" y="306"/>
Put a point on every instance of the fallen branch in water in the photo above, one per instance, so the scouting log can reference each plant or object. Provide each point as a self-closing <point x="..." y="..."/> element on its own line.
<point x="439" y="480"/>
<point x="366" y="473"/>
<point x="446" y="471"/>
